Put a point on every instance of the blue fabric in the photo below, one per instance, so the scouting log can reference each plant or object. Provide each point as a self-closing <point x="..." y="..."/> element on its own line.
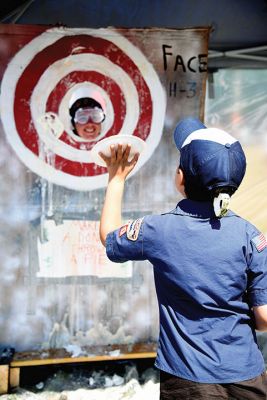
<point x="208" y="275"/>
<point x="209" y="165"/>
<point x="184" y="128"/>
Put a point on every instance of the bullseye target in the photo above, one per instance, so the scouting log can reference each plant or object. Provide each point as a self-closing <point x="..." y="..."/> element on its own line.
<point x="40" y="81"/>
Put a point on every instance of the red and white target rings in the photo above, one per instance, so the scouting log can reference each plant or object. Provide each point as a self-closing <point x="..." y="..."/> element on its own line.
<point x="37" y="87"/>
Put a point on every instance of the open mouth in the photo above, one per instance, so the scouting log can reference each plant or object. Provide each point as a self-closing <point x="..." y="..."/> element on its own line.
<point x="90" y="132"/>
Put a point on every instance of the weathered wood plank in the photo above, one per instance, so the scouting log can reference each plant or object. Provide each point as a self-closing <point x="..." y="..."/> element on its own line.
<point x="14" y="377"/>
<point x="4" y="375"/>
<point x="66" y="360"/>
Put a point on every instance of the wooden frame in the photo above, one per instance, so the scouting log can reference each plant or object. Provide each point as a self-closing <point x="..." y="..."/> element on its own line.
<point x="11" y="372"/>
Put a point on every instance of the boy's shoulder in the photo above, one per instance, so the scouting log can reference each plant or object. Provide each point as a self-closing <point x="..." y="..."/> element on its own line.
<point x="254" y="235"/>
<point x="249" y="225"/>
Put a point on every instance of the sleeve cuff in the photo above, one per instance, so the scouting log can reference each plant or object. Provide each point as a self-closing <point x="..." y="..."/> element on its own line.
<point x="109" y="246"/>
<point x="112" y="250"/>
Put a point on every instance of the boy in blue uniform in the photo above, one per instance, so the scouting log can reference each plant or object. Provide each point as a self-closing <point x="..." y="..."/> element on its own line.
<point x="210" y="269"/>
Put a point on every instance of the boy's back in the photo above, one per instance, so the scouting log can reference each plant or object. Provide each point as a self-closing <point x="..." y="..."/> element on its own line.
<point x="206" y="270"/>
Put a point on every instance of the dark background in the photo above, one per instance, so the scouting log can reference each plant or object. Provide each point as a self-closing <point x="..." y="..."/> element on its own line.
<point x="236" y="23"/>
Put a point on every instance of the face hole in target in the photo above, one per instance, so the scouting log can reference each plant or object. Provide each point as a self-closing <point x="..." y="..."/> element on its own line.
<point x="40" y="81"/>
<point x="109" y="98"/>
<point x="87" y="110"/>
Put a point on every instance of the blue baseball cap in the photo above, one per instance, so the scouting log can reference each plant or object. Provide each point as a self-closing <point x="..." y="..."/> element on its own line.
<point x="210" y="157"/>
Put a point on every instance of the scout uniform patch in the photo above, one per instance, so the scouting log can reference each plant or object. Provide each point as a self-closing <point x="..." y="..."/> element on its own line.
<point x="123" y="230"/>
<point x="259" y="242"/>
<point x="133" y="229"/>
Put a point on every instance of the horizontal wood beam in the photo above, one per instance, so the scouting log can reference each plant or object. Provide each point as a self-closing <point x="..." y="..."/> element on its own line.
<point x="67" y="360"/>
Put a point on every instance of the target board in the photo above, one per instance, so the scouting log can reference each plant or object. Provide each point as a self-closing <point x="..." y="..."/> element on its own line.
<point x="43" y="76"/>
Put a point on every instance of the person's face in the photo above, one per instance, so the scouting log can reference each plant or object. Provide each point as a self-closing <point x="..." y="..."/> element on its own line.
<point x="88" y="122"/>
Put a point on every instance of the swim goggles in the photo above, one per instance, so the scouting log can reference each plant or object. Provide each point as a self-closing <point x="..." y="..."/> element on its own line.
<point x="84" y="115"/>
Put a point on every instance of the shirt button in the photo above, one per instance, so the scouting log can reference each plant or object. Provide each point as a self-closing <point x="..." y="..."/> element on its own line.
<point x="227" y="145"/>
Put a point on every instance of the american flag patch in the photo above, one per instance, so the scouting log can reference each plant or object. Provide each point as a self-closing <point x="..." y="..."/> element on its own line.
<point x="259" y="242"/>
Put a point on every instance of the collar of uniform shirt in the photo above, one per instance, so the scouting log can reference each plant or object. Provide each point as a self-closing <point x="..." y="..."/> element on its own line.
<point x="199" y="209"/>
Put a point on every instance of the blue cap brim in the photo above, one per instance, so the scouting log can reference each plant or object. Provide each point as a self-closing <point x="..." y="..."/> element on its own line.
<point x="184" y="128"/>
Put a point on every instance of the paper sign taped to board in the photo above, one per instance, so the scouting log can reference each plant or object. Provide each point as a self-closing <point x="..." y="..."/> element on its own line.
<point x="74" y="249"/>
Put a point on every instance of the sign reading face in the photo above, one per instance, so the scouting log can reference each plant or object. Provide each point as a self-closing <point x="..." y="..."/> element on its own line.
<point x="61" y="66"/>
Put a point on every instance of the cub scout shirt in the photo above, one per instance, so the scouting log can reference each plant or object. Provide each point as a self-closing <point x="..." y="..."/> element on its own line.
<point x="208" y="273"/>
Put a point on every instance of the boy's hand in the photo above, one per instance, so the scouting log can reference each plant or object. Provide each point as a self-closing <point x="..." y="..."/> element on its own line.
<point x="118" y="164"/>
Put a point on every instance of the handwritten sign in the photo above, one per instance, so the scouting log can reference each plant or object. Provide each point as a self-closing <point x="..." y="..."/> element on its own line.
<point x="74" y="249"/>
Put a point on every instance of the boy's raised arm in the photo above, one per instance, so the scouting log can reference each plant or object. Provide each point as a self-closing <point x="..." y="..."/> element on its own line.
<point x="119" y="168"/>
